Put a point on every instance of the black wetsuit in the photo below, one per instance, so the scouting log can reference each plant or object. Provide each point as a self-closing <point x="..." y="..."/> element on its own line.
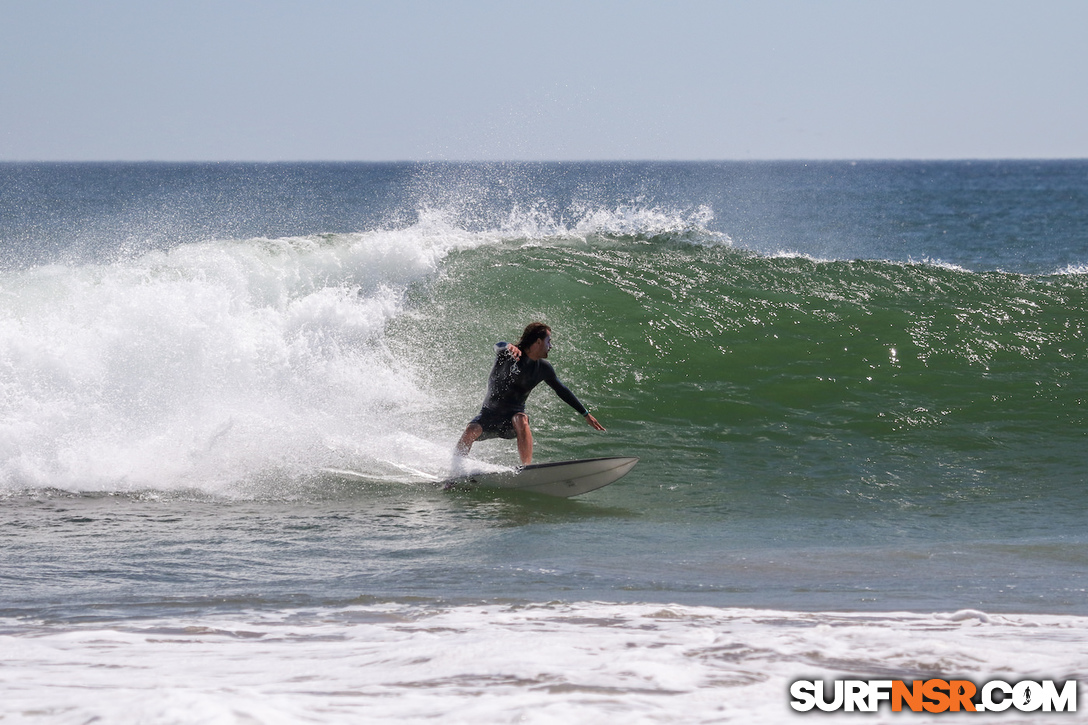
<point x="508" y="388"/>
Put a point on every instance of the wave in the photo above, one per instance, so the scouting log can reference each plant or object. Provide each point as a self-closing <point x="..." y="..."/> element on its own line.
<point x="788" y="368"/>
<point x="224" y="365"/>
<point x="213" y="363"/>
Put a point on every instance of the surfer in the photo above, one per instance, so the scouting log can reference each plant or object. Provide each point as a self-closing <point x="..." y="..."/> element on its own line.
<point x="517" y="370"/>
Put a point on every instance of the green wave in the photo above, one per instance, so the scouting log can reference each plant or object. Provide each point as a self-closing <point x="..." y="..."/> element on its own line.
<point x="860" y="370"/>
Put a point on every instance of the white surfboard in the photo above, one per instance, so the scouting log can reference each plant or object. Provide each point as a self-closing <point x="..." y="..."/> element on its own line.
<point x="563" y="478"/>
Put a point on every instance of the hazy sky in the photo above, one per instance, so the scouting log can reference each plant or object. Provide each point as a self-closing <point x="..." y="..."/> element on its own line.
<point x="479" y="79"/>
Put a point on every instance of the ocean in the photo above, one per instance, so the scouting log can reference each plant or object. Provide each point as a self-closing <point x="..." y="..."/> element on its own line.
<point x="858" y="391"/>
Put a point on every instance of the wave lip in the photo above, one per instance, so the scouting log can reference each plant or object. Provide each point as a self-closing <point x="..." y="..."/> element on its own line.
<point x="650" y="223"/>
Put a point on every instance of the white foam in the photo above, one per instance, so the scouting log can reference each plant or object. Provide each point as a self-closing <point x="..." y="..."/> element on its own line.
<point x="583" y="662"/>
<point x="208" y="363"/>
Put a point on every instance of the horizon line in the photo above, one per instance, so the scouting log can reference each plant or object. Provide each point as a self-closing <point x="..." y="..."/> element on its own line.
<point x="798" y="160"/>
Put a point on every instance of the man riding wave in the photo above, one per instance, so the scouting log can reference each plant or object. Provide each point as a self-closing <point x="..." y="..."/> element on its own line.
<point x="517" y="370"/>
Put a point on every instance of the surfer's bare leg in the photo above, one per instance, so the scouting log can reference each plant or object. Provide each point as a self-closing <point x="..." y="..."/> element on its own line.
<point x="525" y="438"/>
<point x="472" y="432"/>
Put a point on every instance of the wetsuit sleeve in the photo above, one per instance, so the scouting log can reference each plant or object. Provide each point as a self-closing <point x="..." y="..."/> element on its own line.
<point x="563" y="391"/>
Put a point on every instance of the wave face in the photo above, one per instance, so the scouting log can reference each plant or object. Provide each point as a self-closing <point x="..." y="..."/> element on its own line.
<point x="756" y="381"/>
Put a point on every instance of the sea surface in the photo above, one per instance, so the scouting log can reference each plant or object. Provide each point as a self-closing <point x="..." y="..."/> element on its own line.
<point x="858" y="391"/>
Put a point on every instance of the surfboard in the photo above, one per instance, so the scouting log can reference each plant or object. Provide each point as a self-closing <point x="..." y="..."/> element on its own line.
<point x="562" y="478"/>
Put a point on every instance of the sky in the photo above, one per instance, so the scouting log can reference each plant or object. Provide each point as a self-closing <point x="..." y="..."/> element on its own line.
<point x="355" y="80"/>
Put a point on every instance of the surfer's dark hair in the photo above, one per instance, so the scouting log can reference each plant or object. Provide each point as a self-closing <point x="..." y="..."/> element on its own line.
<point x="533" y="331"/>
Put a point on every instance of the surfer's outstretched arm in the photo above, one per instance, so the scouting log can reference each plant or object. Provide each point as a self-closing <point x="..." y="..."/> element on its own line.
<point x="569" y="398"/>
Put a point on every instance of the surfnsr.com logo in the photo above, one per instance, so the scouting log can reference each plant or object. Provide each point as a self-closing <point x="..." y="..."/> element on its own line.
<point x="934" y="696"/>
